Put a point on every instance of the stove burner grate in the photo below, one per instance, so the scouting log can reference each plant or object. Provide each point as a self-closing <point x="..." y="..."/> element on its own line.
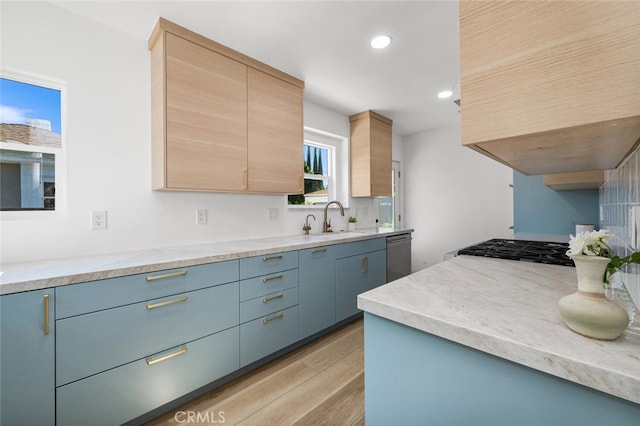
<point x="529" y="251"/>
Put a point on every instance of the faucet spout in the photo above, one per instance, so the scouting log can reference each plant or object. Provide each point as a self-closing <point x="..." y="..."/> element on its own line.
<point x="326" y="225"/>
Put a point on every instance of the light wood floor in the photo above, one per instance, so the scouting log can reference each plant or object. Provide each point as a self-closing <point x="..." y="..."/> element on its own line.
<point x="321" y="383"/>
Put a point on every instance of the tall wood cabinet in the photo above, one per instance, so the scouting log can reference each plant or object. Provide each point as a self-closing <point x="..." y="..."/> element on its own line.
<point x="370" y="155"/>
<point x="550" y="87"/>
<point x="221" y="121"/>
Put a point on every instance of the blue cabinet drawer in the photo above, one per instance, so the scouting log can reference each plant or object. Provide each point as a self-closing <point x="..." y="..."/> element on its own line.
<point x="259" y="286"/>
<point x="266" y="335"/>
<point x="91" y="343"/>
<point x="121" y="394"/>
<point x="268" y="264"/>
<point x="104" y="294"/>
<point x="360" y="247"/>
<point x="268" y="304"/>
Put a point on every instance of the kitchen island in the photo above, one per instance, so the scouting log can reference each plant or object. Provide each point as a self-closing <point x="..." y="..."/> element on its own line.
<point x="475" y="340"/>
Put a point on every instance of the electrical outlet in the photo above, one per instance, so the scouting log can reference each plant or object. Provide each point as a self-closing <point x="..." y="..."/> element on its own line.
<point x="98" y="220"/>
<point x="201" y="216"/>
<point x="274" y="212"/>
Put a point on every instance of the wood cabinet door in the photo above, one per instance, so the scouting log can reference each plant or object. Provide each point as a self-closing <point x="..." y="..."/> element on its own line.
<point x="370" y="155"/>
<point x="380" y="159"/>
<point x="275" y="134"/>
<point x="206" y="118"/>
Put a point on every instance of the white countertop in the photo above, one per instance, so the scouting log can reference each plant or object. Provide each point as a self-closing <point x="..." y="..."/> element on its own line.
<point x="24" y="276"/>
<point x="510" y="309"/>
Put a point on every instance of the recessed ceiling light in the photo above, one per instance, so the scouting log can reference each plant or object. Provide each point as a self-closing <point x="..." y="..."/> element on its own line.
<point x="445" y="94"/>
<point x="380" y="42"/>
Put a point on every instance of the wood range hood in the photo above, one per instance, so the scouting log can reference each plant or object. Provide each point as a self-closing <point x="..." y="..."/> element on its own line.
<point x="551" y="87"/>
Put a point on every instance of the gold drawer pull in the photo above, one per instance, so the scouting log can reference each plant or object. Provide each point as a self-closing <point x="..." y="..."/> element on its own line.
<point x="169" y="275"/>
<point x="46" y="314"/>
<point x="275" y="317"/>
<point x="275" y="277"/>
<point x="182" y="350"/>
<point x="167" y="302"/>
<point x="265" y="259"/>
<point x="269" y="299"/>
<point x="318" y="250"/>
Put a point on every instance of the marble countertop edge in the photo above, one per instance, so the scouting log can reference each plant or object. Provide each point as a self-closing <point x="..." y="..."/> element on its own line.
<point x="567" y="355"/>
<point x="37" y="275"/>
<point x="599" y="377"/>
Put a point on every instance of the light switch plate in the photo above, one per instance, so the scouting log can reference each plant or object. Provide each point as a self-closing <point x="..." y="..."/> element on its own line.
<point x="201" y="216"/>
<point x="274" y="213"/>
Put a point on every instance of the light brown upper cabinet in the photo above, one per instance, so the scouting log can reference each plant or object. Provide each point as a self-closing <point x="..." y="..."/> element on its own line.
<point x="275" y="135"/>
<point x="221" y="121"/>
<point x="591" y="179"/>
<point x="370" y="155"/>
<point x="551" y="87"/>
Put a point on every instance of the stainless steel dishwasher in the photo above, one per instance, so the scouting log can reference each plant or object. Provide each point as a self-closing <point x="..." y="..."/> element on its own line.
<point x="398" y="256"/>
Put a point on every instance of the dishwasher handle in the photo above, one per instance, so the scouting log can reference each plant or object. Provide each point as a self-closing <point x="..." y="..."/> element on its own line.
<point x="399" y="239"/>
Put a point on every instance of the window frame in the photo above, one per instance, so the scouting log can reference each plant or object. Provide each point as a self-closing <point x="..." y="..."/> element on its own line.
<point x="337" y="167"/>
<point x="60" y="171"/>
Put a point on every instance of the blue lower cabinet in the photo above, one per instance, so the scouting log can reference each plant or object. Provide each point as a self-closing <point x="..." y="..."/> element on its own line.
<point x="121" y="394"/>
<point x="268" y="264"/>
<point x="277" y="281"/>
<point x="91" y="343"/>
<point x="349" y="284"/>
<point x="267" y="304"/>
<point x="27" y="342"/>
<point x="317" y="289"/>
<point x="355" y="275"/>
<point x="265" y="335"/>
<point x="376" y="269"/>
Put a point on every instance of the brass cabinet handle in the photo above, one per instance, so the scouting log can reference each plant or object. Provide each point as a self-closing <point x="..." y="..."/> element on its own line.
<point x="169" y="275"/>
<point x="266" y="259"/>
<point x="365" y="264"/>
<point x="275" y="317"/>
<point x="275" y="277"/>
<point x="301" y="186"/>
<point x="318" y="250"/>
<point x="245" y="178"/>
<point x="167" y="302"/>
<point x="269" y="299"/>
<point x="182" y="350"/>
<point x="46" y="313"/>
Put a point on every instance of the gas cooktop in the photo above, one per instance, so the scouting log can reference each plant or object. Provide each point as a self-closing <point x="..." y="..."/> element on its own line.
<point x="528" y="251"/>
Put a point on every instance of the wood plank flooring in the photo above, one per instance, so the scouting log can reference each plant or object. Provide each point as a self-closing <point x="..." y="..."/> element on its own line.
<point x="321" y="383"/>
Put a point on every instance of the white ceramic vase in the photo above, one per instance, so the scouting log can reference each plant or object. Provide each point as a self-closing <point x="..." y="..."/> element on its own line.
<point x="588" y="311"/>
<point x="351" y="226"/>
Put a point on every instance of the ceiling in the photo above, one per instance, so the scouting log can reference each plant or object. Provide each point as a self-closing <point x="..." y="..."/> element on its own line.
<point x="326" y="44"/>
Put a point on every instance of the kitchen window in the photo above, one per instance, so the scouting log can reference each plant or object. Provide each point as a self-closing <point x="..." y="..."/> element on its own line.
<point x="323" y="159"/>
<point x="32" y="148"/>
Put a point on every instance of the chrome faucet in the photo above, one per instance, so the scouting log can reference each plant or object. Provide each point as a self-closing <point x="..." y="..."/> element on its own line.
<point x="326" y="226"/>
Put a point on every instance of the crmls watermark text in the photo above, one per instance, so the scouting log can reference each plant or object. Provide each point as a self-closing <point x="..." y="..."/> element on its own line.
<point x="207" y="417"/>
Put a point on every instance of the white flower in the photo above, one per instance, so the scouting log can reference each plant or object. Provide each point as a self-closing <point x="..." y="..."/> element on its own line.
<point x="592" y="243"/>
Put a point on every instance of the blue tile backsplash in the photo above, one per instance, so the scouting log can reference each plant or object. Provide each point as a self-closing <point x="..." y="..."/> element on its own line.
<point x="621" y="191"/>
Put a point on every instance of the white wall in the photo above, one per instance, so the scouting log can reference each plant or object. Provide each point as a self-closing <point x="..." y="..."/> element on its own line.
<point x="109" y="158"/>
<point x="453" y="196"/>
